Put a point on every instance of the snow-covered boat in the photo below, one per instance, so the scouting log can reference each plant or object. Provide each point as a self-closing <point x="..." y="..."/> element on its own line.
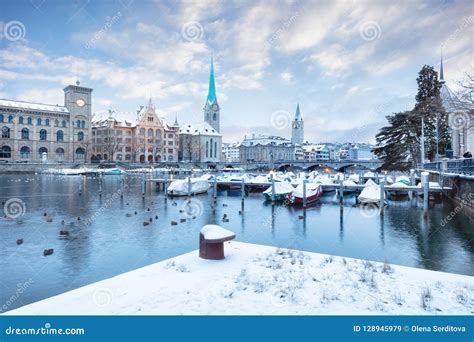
<point x="432" y="185"/>
<point x="398" y="192"/>
<point x="348" y="183"/>
<point x="403" y="179"/>
<point x="113" y="171"/>
<point x="370" y="194"/>
<point x="325" y="180"/>
<point x="179" y="187"/>
<point x="282" y="189"/>
<point x="354" y="178"/>
<point x="370" y="182"/>
<point x="313" y="192"/>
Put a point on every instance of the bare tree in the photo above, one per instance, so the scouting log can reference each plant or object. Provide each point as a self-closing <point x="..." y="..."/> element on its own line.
<point x="466" y="94"/>
<point x="110" y="143"/>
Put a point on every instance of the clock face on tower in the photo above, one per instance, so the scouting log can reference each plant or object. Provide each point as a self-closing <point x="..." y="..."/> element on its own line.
<point x="80" y="102"/>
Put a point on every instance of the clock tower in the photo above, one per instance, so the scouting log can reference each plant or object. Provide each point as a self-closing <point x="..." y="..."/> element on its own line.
<point x="77" y="100"/>
<point x="297" y="128"/>
<point x="212" y="110"/>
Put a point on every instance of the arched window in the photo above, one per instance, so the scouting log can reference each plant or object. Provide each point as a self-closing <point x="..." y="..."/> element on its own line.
<point x="1" y="117"/>
<point x="80" y="136"/>
<point x="142" y="131"/>
<point x="30" y="120"/>
<point x="20" y="120"/>
<point x="211" y="148"/>
<point x="214" y="117"/>
<point x="5" y="152"/>
<point x="83" y="124"/>
<point x="80" y="154"/>
<point x="5" y="132"/>
<point x="215" y="149"/>
<point x="56" y="122"/>
<point x="25" y="152"/>
<point x="60" y="136"/>
<point x="207" y="149"/>
<point x="170" y="158"/>
<point x="38" y="121"/>
<point x="43" y="134"/>
<point x="10" y="119"/>
<point x="78" y="123"/>
<point x="60" y="154"/>
<point x="150" y="133"/>
<point x="46" y="122"/>
<point x="64" y="123"/>
<point x="25" y="134"/>
<point x="41" y="151"/>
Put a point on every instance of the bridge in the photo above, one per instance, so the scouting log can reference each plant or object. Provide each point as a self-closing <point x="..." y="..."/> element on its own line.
<point x="303" y="165"/>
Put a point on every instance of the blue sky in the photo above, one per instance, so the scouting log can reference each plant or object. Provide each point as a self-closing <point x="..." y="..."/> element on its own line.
<point x="348" y="63"/>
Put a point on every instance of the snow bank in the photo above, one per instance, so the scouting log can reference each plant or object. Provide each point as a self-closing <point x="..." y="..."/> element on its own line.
<point x="262" y="280"/>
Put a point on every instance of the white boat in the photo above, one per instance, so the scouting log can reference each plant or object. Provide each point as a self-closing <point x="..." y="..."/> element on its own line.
<point x="370" y="182"/>
<point x="179" y="187"/>
<point x="348" y="183"/>
<point x="431" y="185"/>
<point x="370" y="194"/>
<point x="325" y="180"/>
<point x="398" y="192"/>
<point x="282" y="189"/>
<point x="354" y="178"/>
<point x="403" y="179"/>
<point x="313" y="192"/>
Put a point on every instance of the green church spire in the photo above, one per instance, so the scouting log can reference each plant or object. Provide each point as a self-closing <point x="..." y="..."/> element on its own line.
<point x="211" y="95"/>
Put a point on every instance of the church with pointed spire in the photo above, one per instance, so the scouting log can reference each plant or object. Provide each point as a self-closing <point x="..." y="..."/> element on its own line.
<point x="202" y="142"/>
<point x="297" y="128"/>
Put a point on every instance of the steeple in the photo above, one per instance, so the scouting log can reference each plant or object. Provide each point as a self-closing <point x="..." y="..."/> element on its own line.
<point x="150" y="105"/>
<point x="176" y="124"/>
<point x="441" y="72"/>
<point x="211" y="95"/>
<point x="298" y="114"/>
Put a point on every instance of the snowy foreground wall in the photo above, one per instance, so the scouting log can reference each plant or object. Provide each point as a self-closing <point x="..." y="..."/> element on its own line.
<point x="262" y="280"/>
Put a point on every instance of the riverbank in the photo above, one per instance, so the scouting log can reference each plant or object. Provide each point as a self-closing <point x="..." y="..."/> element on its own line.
<point x="263" y="280"/>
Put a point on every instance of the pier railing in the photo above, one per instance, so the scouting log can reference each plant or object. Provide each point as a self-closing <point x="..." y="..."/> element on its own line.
<point x="460" y="166"/>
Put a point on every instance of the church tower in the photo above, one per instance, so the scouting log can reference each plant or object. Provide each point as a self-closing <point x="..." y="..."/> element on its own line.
<point x="212" y="110"/>
<point x="297" y="128"/>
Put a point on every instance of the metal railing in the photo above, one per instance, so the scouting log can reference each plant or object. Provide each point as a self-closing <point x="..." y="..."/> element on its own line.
<point x="460" y="166"/>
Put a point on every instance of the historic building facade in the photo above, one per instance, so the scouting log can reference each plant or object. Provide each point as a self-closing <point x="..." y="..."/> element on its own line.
<point x="265" y="148"/>
<point x="148" y="140"/>
<point x="202" y="142"/>
<point x="34" y="132"/>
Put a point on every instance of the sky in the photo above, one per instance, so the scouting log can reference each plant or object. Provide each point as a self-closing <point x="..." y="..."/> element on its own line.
<point x="347" y="63"/>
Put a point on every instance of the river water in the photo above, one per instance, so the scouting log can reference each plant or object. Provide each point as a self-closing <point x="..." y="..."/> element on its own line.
<point x="109" y="238"/>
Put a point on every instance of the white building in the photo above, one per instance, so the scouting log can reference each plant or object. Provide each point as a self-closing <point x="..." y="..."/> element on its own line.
<point x="231" y="152"/>
<point x="316" y="153"/>
<point x="265" y="148"/>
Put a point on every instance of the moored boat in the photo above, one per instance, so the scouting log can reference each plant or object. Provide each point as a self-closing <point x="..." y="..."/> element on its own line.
<point x="370" y="194"/>
<point x="397" y="192"/>
<point x="179" y="187"/>
<point x="282" y="189"/>
<point x="313" y="192"/>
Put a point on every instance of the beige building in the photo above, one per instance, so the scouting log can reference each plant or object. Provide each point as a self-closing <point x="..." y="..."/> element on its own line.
<point x="35" y="132"/>
<point x="148" y="140"/>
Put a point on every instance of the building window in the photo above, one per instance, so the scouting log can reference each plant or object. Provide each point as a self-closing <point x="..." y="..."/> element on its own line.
<point x="43" y="134"/>
<point x="64" y="123"/>
<point x="215" y="149"/>
<point x="60" y="136"/>
<point x="211" y="147"/>
<point x="38" y="122"/>
<point x="1" y="118"/>
<point x="25" y="134"/>
<point x="10" y="119"/>
<point x="42" y="150"/>
<point x="207" y="149"/>
<point x="150" y="133"/>
<point x="119" y="157"/>
<point x="60" y="154"/>
<point x="81" y="153"/>
<point x="46" y="122"/>
<point x="83" y="124"/>
<point x="170" y="157"/>
<point x="25" y="152"/>
<point x="20" y="120"/>
<point x="128" y="157"/>
<point x="214" y="117"/>
<point x="142" y="131"/>
<point x="5" y="152"/>
<point x="78" y="123"/>
<point x="5" y="132"/>
<point x="170" y="150"/>
<point x="80" y="136"/>
<point x="30" y="121"/>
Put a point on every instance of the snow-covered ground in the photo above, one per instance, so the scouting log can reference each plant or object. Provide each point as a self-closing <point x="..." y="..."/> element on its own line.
<point x="255" y="279"/>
